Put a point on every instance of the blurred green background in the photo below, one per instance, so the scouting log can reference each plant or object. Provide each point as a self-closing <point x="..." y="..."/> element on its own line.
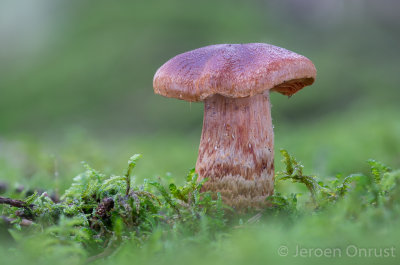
<point x="76" y="83"/>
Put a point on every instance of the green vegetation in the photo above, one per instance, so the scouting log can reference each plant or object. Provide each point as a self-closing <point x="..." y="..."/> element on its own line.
<point x="107" y="219"/>
<point x="101" y="212"/>
<point x="75" y="85"/>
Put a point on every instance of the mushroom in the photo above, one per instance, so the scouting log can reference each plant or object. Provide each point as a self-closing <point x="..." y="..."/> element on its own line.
<point x="236" y="152"/>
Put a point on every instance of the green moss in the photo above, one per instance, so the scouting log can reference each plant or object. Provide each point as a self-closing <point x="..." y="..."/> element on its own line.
<point x="105" y="217"/>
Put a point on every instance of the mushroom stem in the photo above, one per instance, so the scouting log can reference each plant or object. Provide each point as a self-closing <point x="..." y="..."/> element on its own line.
<point x="236" y="151"/>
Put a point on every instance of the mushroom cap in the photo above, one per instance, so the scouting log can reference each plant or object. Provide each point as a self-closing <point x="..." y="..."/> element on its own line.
<point x="233" y="70"/>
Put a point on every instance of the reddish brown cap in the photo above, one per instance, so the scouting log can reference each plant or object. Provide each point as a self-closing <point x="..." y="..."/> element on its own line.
<point x="233" y="70"/>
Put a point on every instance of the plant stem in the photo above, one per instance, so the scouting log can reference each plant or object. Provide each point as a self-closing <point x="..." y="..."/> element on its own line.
<point x="14" y="203"/>
<point x="128" y="179"/>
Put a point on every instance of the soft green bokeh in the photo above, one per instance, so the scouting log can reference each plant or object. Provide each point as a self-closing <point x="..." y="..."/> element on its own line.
<point x="76" y="85"/>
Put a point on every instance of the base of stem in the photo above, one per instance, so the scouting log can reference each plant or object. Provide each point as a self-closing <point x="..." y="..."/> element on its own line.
<point x="241" y="193"/>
